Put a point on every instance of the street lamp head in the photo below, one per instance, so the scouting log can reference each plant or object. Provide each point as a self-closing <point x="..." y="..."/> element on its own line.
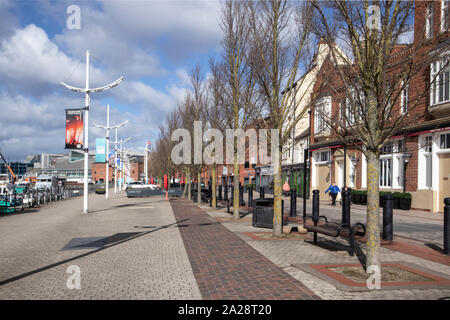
<point x="354" y="160"/>
<point x="406" y="157"/>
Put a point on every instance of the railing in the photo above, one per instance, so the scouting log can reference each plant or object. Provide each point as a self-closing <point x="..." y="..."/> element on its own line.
<point x="12" y="202"/>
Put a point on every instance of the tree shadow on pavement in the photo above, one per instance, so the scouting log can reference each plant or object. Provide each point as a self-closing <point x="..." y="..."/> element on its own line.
<point x="337" y="246"/>
<point x="110" y="242"/>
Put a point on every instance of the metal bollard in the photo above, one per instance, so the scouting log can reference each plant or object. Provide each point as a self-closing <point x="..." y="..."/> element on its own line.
<point x="447" y="226"/>
<point x="315" y="210"/>
<point x="220" y="193"/>
<point x="241" y="195"/>
<point x="388" y="221"/>
<point x="346" y="207"/>
<point x="293" y="203"/>
<point x="261" y="192"/>
<point x="225" y="193"/>
<point x="210" y="195"/>
<point x="250" y="197"/>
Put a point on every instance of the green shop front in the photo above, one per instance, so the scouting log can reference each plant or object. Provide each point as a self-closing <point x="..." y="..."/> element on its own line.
<point x="295" y="174"/>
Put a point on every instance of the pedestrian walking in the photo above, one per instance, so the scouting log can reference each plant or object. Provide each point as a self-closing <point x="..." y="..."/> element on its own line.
<point x="334" y="190"/>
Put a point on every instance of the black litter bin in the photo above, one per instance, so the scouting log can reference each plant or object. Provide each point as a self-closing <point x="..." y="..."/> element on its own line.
<point x="263" y="213"/>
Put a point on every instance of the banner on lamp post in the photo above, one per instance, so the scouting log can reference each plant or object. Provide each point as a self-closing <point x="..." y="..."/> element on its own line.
<point x="100" y="150"/>
<point x="74" y="129"/>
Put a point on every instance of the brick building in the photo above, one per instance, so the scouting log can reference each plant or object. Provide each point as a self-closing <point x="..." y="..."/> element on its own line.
<point x="136" y="170"/>
<point x="99" y="172"/>
<point x="417" y="159"/>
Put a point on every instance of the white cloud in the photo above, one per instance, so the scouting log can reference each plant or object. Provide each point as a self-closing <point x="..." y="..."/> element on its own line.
<point x="124" y="38"/>
<point x="29" y="59"/>
<point x="183" y="27"/>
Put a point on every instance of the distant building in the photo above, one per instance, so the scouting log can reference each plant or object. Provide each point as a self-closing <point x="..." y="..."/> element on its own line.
<point x="19" y="168"/>
<point x="136" y="171"/>
<point x="58" y="164"/>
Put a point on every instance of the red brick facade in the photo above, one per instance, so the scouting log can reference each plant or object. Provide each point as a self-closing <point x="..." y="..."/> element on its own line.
<point x="426" y="119"/>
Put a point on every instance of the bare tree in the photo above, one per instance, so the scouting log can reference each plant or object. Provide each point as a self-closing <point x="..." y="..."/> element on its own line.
<point x="238" y="73"/>
<point x="188" y="114"/>
<point x="198" y="106"/>
<point x="372" y="84"/>
<point x="281" y="35"/>
<point x="216" y="111"/>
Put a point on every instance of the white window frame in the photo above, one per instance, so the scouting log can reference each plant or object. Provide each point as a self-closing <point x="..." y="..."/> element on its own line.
<point x="446" y="136"/>
<point x="445" y="15"/>
<point x="394" y="155"/>
<point x="384" y="179"/>
<point x="436" y="83"/>
<point x="429" y="21"/>
<point x="404" y="99"/>
<point x="352" y="118"/>
<point x="322" y="107"/>
<point x="318" y="155"/>
<point x="425" y="162"/>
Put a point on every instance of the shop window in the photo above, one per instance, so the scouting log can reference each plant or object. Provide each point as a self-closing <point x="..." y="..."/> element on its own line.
<point x="445" y="141"/>
<point x="386" y="172"/>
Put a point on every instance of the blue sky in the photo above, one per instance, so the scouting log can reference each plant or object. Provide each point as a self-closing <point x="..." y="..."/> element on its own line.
<point x="154" y="44"/>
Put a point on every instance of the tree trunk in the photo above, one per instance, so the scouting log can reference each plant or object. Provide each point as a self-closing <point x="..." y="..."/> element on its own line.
<point x="373" y="214"/>
<point x="199" y="186"/>
<point x="213" y="187"/>
<point x="277" y="198"/>
<point x="236" y="215"/>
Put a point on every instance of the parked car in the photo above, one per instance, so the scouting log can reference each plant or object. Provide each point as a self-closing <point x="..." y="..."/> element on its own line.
<point x="100" y="189"/>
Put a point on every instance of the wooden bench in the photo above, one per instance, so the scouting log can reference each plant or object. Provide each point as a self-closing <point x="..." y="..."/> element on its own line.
<point x="335" y="230"/>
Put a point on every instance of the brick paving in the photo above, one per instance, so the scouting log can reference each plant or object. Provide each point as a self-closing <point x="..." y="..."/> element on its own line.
<point x="288" y="254"/>
<point x="225" y="266"/>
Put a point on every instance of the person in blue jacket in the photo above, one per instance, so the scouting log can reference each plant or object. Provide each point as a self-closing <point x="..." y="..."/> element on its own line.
<point x="334" y="190"/>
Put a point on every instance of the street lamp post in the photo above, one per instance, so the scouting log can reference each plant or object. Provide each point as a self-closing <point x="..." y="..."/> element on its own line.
<point x="107" y="128"/>
<point x="87" y="92"/>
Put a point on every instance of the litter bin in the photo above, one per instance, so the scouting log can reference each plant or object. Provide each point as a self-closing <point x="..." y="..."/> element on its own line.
<point x="263" y="212"/>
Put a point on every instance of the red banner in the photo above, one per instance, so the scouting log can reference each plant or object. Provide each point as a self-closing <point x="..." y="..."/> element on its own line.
<point x="74" y="129"/>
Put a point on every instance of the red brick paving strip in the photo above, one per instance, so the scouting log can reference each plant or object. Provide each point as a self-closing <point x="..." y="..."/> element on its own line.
<point x="225" y="266"/>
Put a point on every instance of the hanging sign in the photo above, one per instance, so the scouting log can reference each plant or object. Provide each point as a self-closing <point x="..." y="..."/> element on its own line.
<point x="100" y="150"/>
<point x="74" y="129"/>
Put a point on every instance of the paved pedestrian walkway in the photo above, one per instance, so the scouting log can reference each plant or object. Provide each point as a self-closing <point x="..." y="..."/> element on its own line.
<point x="142" y="256"/>
<point x="225" y="266"/>
<point x="292" y="255"/>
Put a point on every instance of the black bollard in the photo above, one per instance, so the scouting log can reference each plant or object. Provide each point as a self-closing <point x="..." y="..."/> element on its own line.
<point x="388" y="222"/>
<point x="220" y="193"/>
<point x="315" y="210"/>
<point x="241" y="195"/>
<point x="345" y="207"/>
<point x="210" y="194"/>
<point x="447" y="226"/>
<point x="225" y="194"/>
<point x="250" y="197"/>
<point x="293" y="203"/>
<point x="261" y="192"/>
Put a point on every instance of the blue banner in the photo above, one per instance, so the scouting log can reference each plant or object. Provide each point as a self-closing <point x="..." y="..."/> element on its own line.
<point x="100" y="150"/>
